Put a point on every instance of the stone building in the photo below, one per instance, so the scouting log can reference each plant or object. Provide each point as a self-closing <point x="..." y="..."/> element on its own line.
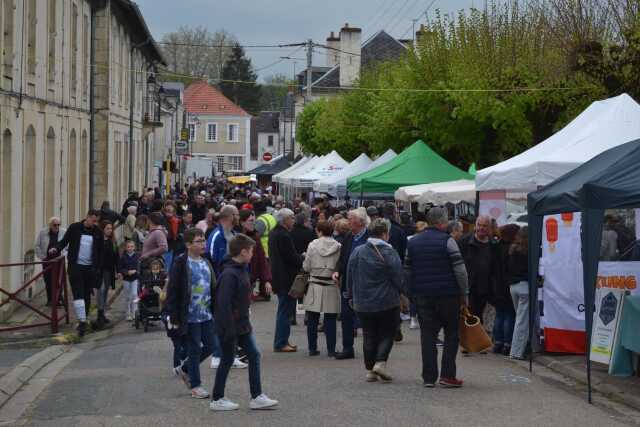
<point x="46" y="120"/>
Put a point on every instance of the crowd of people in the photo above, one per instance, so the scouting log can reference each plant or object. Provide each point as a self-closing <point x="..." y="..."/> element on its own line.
<point x="223" y="247"/>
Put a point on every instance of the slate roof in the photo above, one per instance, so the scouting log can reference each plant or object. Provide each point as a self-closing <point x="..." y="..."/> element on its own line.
<point x="378" y="48"/>
<point x="202" y="98"/>
<point x="275" y="166"/>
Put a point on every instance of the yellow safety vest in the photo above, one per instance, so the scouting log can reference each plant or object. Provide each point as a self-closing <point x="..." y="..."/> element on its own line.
<point x="270" y="223"/>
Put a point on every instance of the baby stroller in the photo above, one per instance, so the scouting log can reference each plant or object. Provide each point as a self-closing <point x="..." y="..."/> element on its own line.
<point x="152" y="282"/>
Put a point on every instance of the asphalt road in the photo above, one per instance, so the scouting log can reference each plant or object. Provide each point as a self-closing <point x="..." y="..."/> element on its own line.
<point x="126" y="381"/>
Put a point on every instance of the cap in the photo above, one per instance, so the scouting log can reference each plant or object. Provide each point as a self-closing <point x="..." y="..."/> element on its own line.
<point x="372" y="210"/>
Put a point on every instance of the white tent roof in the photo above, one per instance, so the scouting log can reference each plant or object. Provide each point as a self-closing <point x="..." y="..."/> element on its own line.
<point x="303" y="169"/>
<point x="329" y="184"/>
<point x="307" y="166"/>
<point x="603" y="125"/>
<point x="293" y="167"/>
<point x="439" y="193"/>
<point x="330" y="165"/>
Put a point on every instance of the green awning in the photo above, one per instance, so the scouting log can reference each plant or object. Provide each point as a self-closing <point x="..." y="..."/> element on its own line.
<point x="418" y="164"/>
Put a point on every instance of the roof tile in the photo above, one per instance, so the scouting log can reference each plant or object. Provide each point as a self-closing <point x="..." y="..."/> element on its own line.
<point x="202" y="98"/>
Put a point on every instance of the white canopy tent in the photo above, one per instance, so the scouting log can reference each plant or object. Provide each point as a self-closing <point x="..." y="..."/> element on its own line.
<point x="603" y="125"/>
<point x="330" y="184"/>
<point x="329" y="166"/>
<point x="296" y="165"/>
<point x="284" y="177"/>
<point x="439" y="193"/>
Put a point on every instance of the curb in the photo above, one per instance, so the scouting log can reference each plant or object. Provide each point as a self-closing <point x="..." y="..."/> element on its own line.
<point x="58" y="339"/>
<point x="608" y="390"/>
<point x="18" y="376"/>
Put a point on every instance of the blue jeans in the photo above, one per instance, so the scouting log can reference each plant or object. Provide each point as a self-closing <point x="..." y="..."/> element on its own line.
<point x="179" y="350"/>
<point x="248" y="343"/>
<point x="503" y="326"/>
<point x="286" y="309"/>
<point x="201" y="340"/>
<point x="347" y="318"/>
<point x="313" y="319"/>
<point x="168" y="260"/>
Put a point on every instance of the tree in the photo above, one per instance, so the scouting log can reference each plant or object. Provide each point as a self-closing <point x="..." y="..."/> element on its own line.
<point x="196" y="52"/>
<point x="273" y="92"/>
<point x="238" y="81"/>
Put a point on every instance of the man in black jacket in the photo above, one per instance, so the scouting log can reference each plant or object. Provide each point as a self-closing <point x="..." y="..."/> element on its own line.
<point x="84" y="239"/>
<point x="398" y="240"/>
<point x="482" y="258"/>
<point x="285" y="265"/>
<point x="358" y="221"/>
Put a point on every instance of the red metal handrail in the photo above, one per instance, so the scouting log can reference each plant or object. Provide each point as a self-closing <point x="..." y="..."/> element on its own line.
<point x="57" y="267"/>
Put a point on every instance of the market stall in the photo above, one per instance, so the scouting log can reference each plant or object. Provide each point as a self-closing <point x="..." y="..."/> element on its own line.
<point x="330" y="165"/>
<point x="332" y="184"/>
<point x="611" y="180"/>
<point x="418" y="164"/>
<point x="266" y="171"/>
<point x="439" y="193"/>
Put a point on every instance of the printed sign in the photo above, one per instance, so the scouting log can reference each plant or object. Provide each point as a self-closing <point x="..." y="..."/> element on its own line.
<point x="605" y="323"/>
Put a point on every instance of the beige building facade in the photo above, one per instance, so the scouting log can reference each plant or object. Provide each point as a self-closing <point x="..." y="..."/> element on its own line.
<point x="45" y="116"/>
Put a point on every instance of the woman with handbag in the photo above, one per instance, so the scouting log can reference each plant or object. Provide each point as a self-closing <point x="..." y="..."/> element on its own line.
<point x="323" y="294"/>
<point x="374" y="283"/>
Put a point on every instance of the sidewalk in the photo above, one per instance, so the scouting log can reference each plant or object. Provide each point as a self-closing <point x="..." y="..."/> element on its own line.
<point x="625" y="390"/>
<point x="25" y="353"/>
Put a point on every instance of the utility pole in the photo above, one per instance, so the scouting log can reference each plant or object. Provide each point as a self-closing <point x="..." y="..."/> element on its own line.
<point x="309" y="70"/>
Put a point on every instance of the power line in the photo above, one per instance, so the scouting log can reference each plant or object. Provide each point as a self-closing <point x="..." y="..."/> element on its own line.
<point x="279" y="60"/>
<point x="411" y="7"/>
<point x="219" y="46"/>
<point x="335" y="49"/>
<point x="381" y="16"/>
<point x="396" y="14"/>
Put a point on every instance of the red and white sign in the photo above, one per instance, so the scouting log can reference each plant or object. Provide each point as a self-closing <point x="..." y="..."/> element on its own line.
<point x="267" y="156"/>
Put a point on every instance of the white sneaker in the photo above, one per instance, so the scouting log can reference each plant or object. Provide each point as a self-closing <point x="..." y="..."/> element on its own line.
<point x="371" y="377"/>
<point x="215" y="362"/>
<point x="238" y="364"/>
<point x="199" y="393"/>
<point x="404" y="317"/>
<point x="223" y="404"/>
<point x="414" y="324"/>
<point x="262" y="402"/>
<point x="129" y="318"/>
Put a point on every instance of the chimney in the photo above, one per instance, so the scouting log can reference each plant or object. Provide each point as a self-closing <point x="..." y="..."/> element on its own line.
<point x="420" y="33"/>
<point x="350" y="46"/>
<point x="333" y="56"/>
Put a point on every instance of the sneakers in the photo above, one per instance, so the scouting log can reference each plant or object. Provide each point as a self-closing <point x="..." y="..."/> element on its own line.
<point x="404" y="317"/>
<point x="380" y="369"/>
<point x="199" y="393"/>
<point x="450" y="382"/>
<point x="223" y="404"/>
<point x="129" y="318"/>
<point x="238" y="364"/>
<point x="371" y="377"/>
<point x="429" y="384"/>
<point x="182" y="375"/>
<point x="414" y="324"/>
<point x="262" y="402"/>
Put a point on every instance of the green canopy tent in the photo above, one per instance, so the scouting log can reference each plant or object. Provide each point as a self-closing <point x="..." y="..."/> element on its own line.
<point x="418" y="164"/>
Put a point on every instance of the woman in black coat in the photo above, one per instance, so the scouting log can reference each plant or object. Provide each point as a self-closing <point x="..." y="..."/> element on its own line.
<point x="107" y="272"/>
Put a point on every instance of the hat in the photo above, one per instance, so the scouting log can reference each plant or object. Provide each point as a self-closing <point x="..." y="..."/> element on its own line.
<point x="247" y="206"/>
<point x="372" y="211"/>
<point x="203" y="193"/>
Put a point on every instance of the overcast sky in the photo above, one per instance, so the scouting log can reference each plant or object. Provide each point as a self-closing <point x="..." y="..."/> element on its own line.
<point x="290" y="21"/>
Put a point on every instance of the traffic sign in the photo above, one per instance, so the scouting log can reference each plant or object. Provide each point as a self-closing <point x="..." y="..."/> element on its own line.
<point x="182" y="147"/>
<point x="184" y="134"/>
<point x="267" y="156"/>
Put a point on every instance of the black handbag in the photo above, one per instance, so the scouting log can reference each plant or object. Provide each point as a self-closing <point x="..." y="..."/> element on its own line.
<point x="300" y="285"/>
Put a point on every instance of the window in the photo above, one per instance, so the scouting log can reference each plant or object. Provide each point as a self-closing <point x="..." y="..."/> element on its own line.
<point x="52" y="41"/>
<point x="7" y="42"/>
<point x="270" y="141"/>
<point x="235" y="164"/>
<point x="232" y="133"/>
<point x="212" y="132"/>
<point x="74" y="48"/>
<point x="192" y="132"/>
<point x="31" y="37"/>
<point x="220" y="164"/>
